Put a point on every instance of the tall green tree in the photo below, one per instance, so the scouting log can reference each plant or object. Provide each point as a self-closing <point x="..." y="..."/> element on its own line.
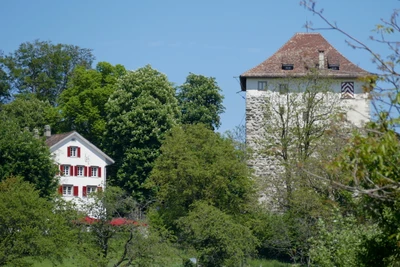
<point x="139" y="113"/>
<point x="28" y="111"/>
<point x="23" y="155"/>
<point x="83" y="102"/>
<point x="29" y="227"/>
<point x="44" y="68"/>
<point x="200" y="101"/>
<point x="197" y="164"/>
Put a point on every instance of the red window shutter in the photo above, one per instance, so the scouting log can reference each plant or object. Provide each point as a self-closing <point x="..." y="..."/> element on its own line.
<point x="79" y="152"/>
<point x="71" y="169"/>
<point x="76" y="171"/>
<point x="84" y="194"/>
<point x="90" y="172"/>
<point x="85" y="171"/>
<point x="60" y="191"/>
<point x="99" y="189"/>
<point x="62" y="169"/>
<point x="76" y="191"/>
<point x="99" y="171"/>
<point x="69" y="151"/>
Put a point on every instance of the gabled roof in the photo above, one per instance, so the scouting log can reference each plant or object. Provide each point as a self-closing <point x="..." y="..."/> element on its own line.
<point x="302" y="51"/>
<point x="55" y="139"/>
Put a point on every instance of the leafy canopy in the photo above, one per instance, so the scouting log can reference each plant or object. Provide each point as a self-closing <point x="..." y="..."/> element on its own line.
<point x="200" y="101"/>
<point x="29" y="227"/>
<point x="139" y="113"/>
<point x="197" y="164"/>
<point x="83" y="103"/>
<point x="44" y="68"/>
<point x="25" y="156"/>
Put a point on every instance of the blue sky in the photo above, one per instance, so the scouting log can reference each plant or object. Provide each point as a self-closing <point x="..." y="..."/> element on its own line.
<point x="218" y="38"/>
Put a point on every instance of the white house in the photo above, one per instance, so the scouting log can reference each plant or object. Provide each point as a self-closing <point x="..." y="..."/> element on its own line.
<point x="82" y="165"/>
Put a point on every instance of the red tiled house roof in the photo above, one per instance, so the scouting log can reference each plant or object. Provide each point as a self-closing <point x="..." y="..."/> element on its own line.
<point x="302" y="51"/>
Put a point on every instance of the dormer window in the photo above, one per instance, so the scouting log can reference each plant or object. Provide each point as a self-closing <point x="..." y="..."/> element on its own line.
<point x="287" y="66"/>
<point x="333" y="66"/>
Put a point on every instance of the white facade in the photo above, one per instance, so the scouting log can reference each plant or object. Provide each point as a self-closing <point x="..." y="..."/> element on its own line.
<point x="358" y="107"/>
<point x="82" y="166"/>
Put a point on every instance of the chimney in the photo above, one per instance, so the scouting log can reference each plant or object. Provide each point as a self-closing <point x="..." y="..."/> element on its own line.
<point x="321" y="59"/>
<point x="36" y="133"/>
<point x="47" y="131"/>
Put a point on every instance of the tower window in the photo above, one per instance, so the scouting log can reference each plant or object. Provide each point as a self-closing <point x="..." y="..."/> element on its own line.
<point x="287" y="66"/>
<point x="262" y="85"/>
<point x="283" y="88"/>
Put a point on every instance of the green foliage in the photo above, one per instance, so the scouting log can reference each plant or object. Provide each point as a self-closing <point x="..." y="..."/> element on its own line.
<point x="198" y="164"/>
<point x="139" y="113"/>
<point x="83" y="102"/>
<point x="5" y="93"/>
<point x="200" y="100"/>
<point x="43" y="68"/>
<point x="133" y="243"/>
<point x="219" y="240"/>
<point x="23" y="155"/>
<point x="341" y="242"/>
<point x="28" y="111"/>
<point x="29" y="227"/>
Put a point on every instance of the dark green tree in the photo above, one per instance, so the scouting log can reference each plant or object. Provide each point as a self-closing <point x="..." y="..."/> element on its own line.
<point x="28" y="111"/>
<point x="83" y="102"/>
<point x="23" y="155"/>
<point x="44" y="68"/>
<point x="29" y="227"/>
<point x="200" y="101"/>
<point x="197" y="164"/>
<point x="139" y="113"/>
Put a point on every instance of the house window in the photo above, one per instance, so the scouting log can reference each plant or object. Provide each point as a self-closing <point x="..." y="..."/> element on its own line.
<point x="287" y="66"/>
<point x="67" y="190"/>
<point x="262" y="85"/>
<point x="66" y="170"/>
<point x="95" y="171"/>
<point x="74" y="151"/>
<point x="347" y="90"/>
<point x="80" y="170"/>
<point x="91" y="189"/>
<point x="87" y="190"/>
<point x="283" y="88"/>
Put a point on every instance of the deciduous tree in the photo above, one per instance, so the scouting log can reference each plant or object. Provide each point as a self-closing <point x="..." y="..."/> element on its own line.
<point x="200" y="101"/>
<point x="197" y="164"/>
<point x="83" y="102"/>
<point x="30" y="112"/>
<point x="139" y="113"/>
<point x="44" y="68"/>
<point x="23" y="155"/>
<point x="29" y="228"/>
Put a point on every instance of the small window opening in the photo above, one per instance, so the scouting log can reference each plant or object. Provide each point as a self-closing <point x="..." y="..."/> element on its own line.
<point x="283" y="88"/>
<point x="287" y="66"/>
<point x="333" y="66"/>
<point x="262" y="86"/>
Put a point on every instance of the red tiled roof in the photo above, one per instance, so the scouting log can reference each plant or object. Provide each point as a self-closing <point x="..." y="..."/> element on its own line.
<point x="55" y="138"/>
<point x="302" y="50"/>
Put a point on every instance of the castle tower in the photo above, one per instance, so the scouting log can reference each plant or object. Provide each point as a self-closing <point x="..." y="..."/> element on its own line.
<point x="291" y="67"/>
